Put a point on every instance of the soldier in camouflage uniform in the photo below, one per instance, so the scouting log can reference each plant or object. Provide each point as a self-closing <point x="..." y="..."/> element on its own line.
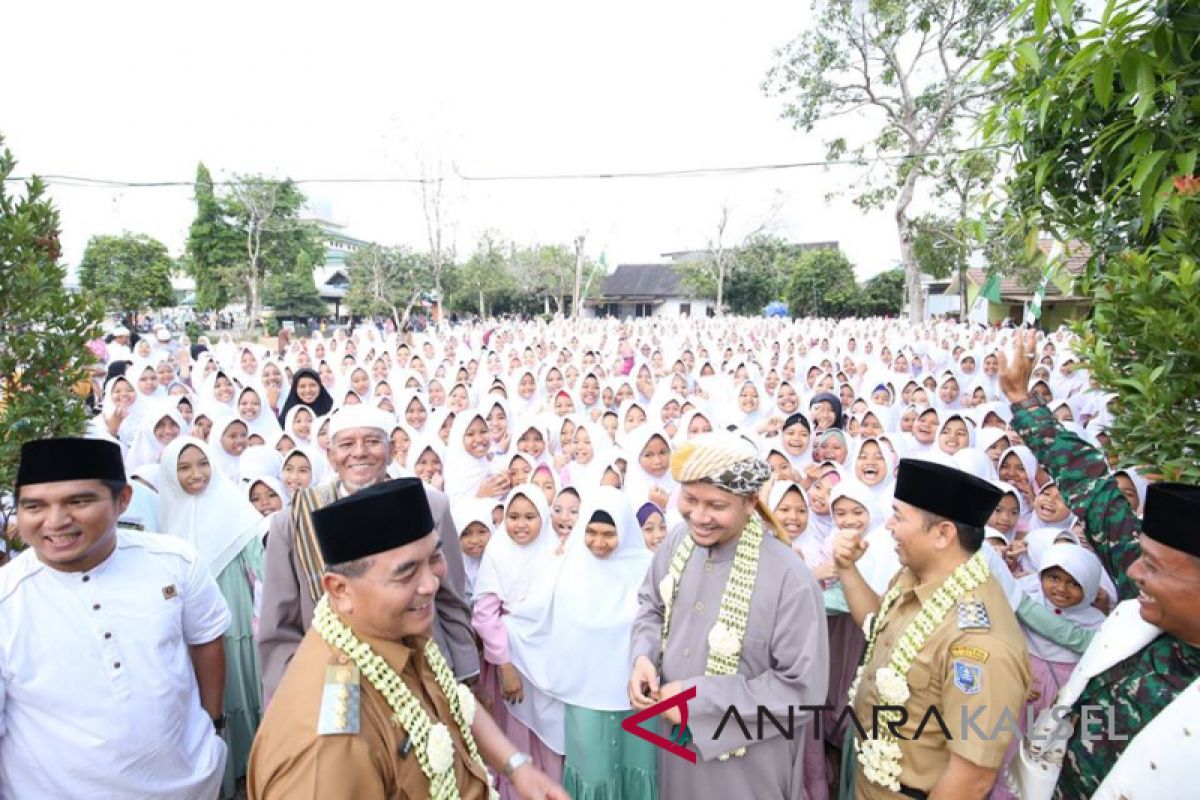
<point x="1166" y="581"/>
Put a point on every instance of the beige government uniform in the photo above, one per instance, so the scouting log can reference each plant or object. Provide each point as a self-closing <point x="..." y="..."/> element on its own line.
<point x="976" y="657"/>
<point x="292" y="759"/>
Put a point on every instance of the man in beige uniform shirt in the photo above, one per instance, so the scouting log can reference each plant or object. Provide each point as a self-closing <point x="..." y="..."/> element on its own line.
<point x="369" y="708"/>
<point x="965" y="654"/>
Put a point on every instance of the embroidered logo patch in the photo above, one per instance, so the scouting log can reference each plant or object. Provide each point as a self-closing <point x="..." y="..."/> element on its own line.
<point x="169" y="591"/>
<point x="968" y="677"/>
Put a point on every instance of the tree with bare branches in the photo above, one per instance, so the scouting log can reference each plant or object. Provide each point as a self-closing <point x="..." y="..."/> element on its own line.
<point x="909" y="67"/>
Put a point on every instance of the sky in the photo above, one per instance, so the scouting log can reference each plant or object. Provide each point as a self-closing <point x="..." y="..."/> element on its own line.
<point x="142" y="91"/>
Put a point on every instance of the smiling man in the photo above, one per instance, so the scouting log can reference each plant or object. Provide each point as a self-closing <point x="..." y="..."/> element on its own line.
<point x="732" y="611"/>
<point x="360" y="452"/>
<point x="369" y="709"/>
<point x="942" y="636"/>
<point x="1143" y="666"/>
<point x="112" y="663"/>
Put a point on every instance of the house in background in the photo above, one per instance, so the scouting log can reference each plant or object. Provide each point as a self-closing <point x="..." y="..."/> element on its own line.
<point x="1015" y="298"/>
<point x="647" y="290"/>
<point x="332" y="278"/>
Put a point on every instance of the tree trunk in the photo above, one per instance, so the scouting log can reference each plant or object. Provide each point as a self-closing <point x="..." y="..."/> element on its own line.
<point x="720" y="287"/>
<point x="912" y="274"/>
<point x="962" y="293"/>
<point x="482" y="310"/>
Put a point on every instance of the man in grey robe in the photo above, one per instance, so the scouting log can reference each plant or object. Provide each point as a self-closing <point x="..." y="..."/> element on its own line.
<point x="359" y="451"/>
<point x="784" y="659"/>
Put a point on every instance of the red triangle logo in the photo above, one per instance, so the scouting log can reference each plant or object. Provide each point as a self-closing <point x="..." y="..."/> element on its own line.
<point x="633" y="724"/>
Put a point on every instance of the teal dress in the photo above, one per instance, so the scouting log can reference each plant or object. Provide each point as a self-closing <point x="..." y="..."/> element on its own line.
<point x="603" y="762"/>
<point x="243" y="683"/>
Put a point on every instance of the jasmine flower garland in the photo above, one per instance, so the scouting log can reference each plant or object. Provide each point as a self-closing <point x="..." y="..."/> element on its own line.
<point x="880" y="757"/>
<point x="431" y="740"/>
<point x="726" y="637"/>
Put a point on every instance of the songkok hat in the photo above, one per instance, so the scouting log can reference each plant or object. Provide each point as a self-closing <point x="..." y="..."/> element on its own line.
<point x="53" y="460"/>
<point x="163" y="335"/>
<point x="374" y="520"/>
<point x="358" y="416"/>
<point x="724" y="459"/>
<point x="946" y="491"/>
<point x="1170" y="516"/>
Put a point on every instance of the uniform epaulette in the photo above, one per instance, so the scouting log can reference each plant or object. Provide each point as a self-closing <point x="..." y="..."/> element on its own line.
<point x="973" y="614"/>
<point x="340" y="701"/>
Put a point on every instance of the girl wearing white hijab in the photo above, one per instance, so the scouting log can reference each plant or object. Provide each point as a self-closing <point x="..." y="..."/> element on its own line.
<point x="123" y="410"/>
<point x="473" y="539"/>
<point x="513" y="590"/>
<point x="159" y="429"/>
<point x="229" y="438"/>
<point x="468" y="471"/>
<point x="200" y="506"/>
<point x="590" y="618"/>
<point x="648" y="469"/>
<point x="589" y="456"/>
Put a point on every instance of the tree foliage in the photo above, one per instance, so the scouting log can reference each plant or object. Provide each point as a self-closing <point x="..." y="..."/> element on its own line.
<point x="127" y="273"/>
<point x="759" y="274"/>
<point x="822" y="285"/>
<point x="882" y="295"/>
<point x="911" y="68"/>
<point x="243" y="238"/>
<point x="292" y="292"/>
<point x="44" y="330"/>
<point x="387" y="281"/>
<point x="214" y="247"/>
<point x="1105" y="118"/>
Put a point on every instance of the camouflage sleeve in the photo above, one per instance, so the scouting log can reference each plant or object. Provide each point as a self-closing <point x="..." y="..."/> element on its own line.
<point x="1089" y="490"/>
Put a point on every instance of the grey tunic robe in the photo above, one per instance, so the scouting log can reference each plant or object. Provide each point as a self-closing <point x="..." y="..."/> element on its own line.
<point x="785" y="662"/>
<point x="287" y="608"/>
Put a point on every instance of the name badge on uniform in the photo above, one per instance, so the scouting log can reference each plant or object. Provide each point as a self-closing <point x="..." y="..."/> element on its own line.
<point x="339" y="701"/>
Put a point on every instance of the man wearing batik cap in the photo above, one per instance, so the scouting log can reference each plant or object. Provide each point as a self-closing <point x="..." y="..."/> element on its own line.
<point x="942" y="637"/>
<point x="731" y="611"/>
<point x="112" y="660"/>
<point x="369" y="709"/>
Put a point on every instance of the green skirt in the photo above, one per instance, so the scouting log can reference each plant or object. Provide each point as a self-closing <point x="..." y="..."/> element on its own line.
<point x="603" y="762"/>
<point x="243" y="680"/>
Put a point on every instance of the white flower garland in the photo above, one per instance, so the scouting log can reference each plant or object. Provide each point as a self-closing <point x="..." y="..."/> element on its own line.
<point x="431" y="740"/>
<point x="725" y="638"/>
<point x="881" y="757"/>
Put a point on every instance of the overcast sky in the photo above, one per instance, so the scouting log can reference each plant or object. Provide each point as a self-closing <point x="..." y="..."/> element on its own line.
<point x="145" y="90"/>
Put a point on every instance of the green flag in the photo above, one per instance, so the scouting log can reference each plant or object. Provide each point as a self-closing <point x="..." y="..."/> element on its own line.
<point x="1035" y="306"/>
<point x="991" y="288"/>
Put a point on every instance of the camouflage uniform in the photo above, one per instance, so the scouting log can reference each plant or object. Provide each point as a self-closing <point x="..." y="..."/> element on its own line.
<point x="1142" y="685"/>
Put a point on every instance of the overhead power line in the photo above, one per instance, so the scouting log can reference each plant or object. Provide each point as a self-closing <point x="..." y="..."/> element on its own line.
<point x="698" y="172"/>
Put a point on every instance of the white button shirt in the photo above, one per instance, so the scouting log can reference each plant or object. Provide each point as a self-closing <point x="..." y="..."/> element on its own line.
<point x="98" y="697"/>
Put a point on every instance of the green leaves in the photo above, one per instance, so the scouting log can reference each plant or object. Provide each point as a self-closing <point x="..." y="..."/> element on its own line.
<point x="1102" y="82"/>
<point x="127" y="273"/>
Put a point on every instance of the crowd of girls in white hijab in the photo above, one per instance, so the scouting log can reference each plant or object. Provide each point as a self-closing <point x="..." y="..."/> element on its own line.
<point x="554" y="443"/>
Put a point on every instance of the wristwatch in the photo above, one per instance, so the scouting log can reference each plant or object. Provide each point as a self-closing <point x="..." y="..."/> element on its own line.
<point x="219" y="723"/>
<point x="515" y="762"/>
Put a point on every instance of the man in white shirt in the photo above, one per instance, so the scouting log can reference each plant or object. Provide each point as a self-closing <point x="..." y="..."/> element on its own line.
<point x="112" y="663"/>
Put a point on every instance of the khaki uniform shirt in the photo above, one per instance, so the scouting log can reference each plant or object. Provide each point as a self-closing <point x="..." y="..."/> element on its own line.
<point x="290" y="759"/>
<point x="969" y="668"/>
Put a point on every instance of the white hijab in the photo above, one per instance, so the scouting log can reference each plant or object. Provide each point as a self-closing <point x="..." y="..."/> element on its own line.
<point x="593" y="627"/>
<point x="1085" y="568"/>
<point x="219" y="522"/>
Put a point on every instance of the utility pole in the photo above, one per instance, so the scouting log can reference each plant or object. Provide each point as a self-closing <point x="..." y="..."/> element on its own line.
<point x="576" y="298"/>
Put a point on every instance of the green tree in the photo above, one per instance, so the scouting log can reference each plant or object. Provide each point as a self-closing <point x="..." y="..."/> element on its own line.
<point x="1106" y="126"/>
<point x="387" y="281"/>
<point x="882" y="295"/>
<point x="44" y="329"/>
<point x="485" y="277"/>
<point x="759" y="276"/>
<point x="127" y="273"/>
<point x="914" y="66"/>
<point x="292" y="293"/>
<point x="214" y="248"/>
<point x="822" y="285"/>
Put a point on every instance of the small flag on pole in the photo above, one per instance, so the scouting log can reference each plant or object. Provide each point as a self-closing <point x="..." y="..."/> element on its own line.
<point x="1035" y="306"/>
<point x="988" y="293"/>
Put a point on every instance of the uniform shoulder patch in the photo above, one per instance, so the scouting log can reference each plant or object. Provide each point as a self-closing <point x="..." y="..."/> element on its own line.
<point x="973" y="614"/>
<point x="968" y="676"/>
<point x="340" y="700"/>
